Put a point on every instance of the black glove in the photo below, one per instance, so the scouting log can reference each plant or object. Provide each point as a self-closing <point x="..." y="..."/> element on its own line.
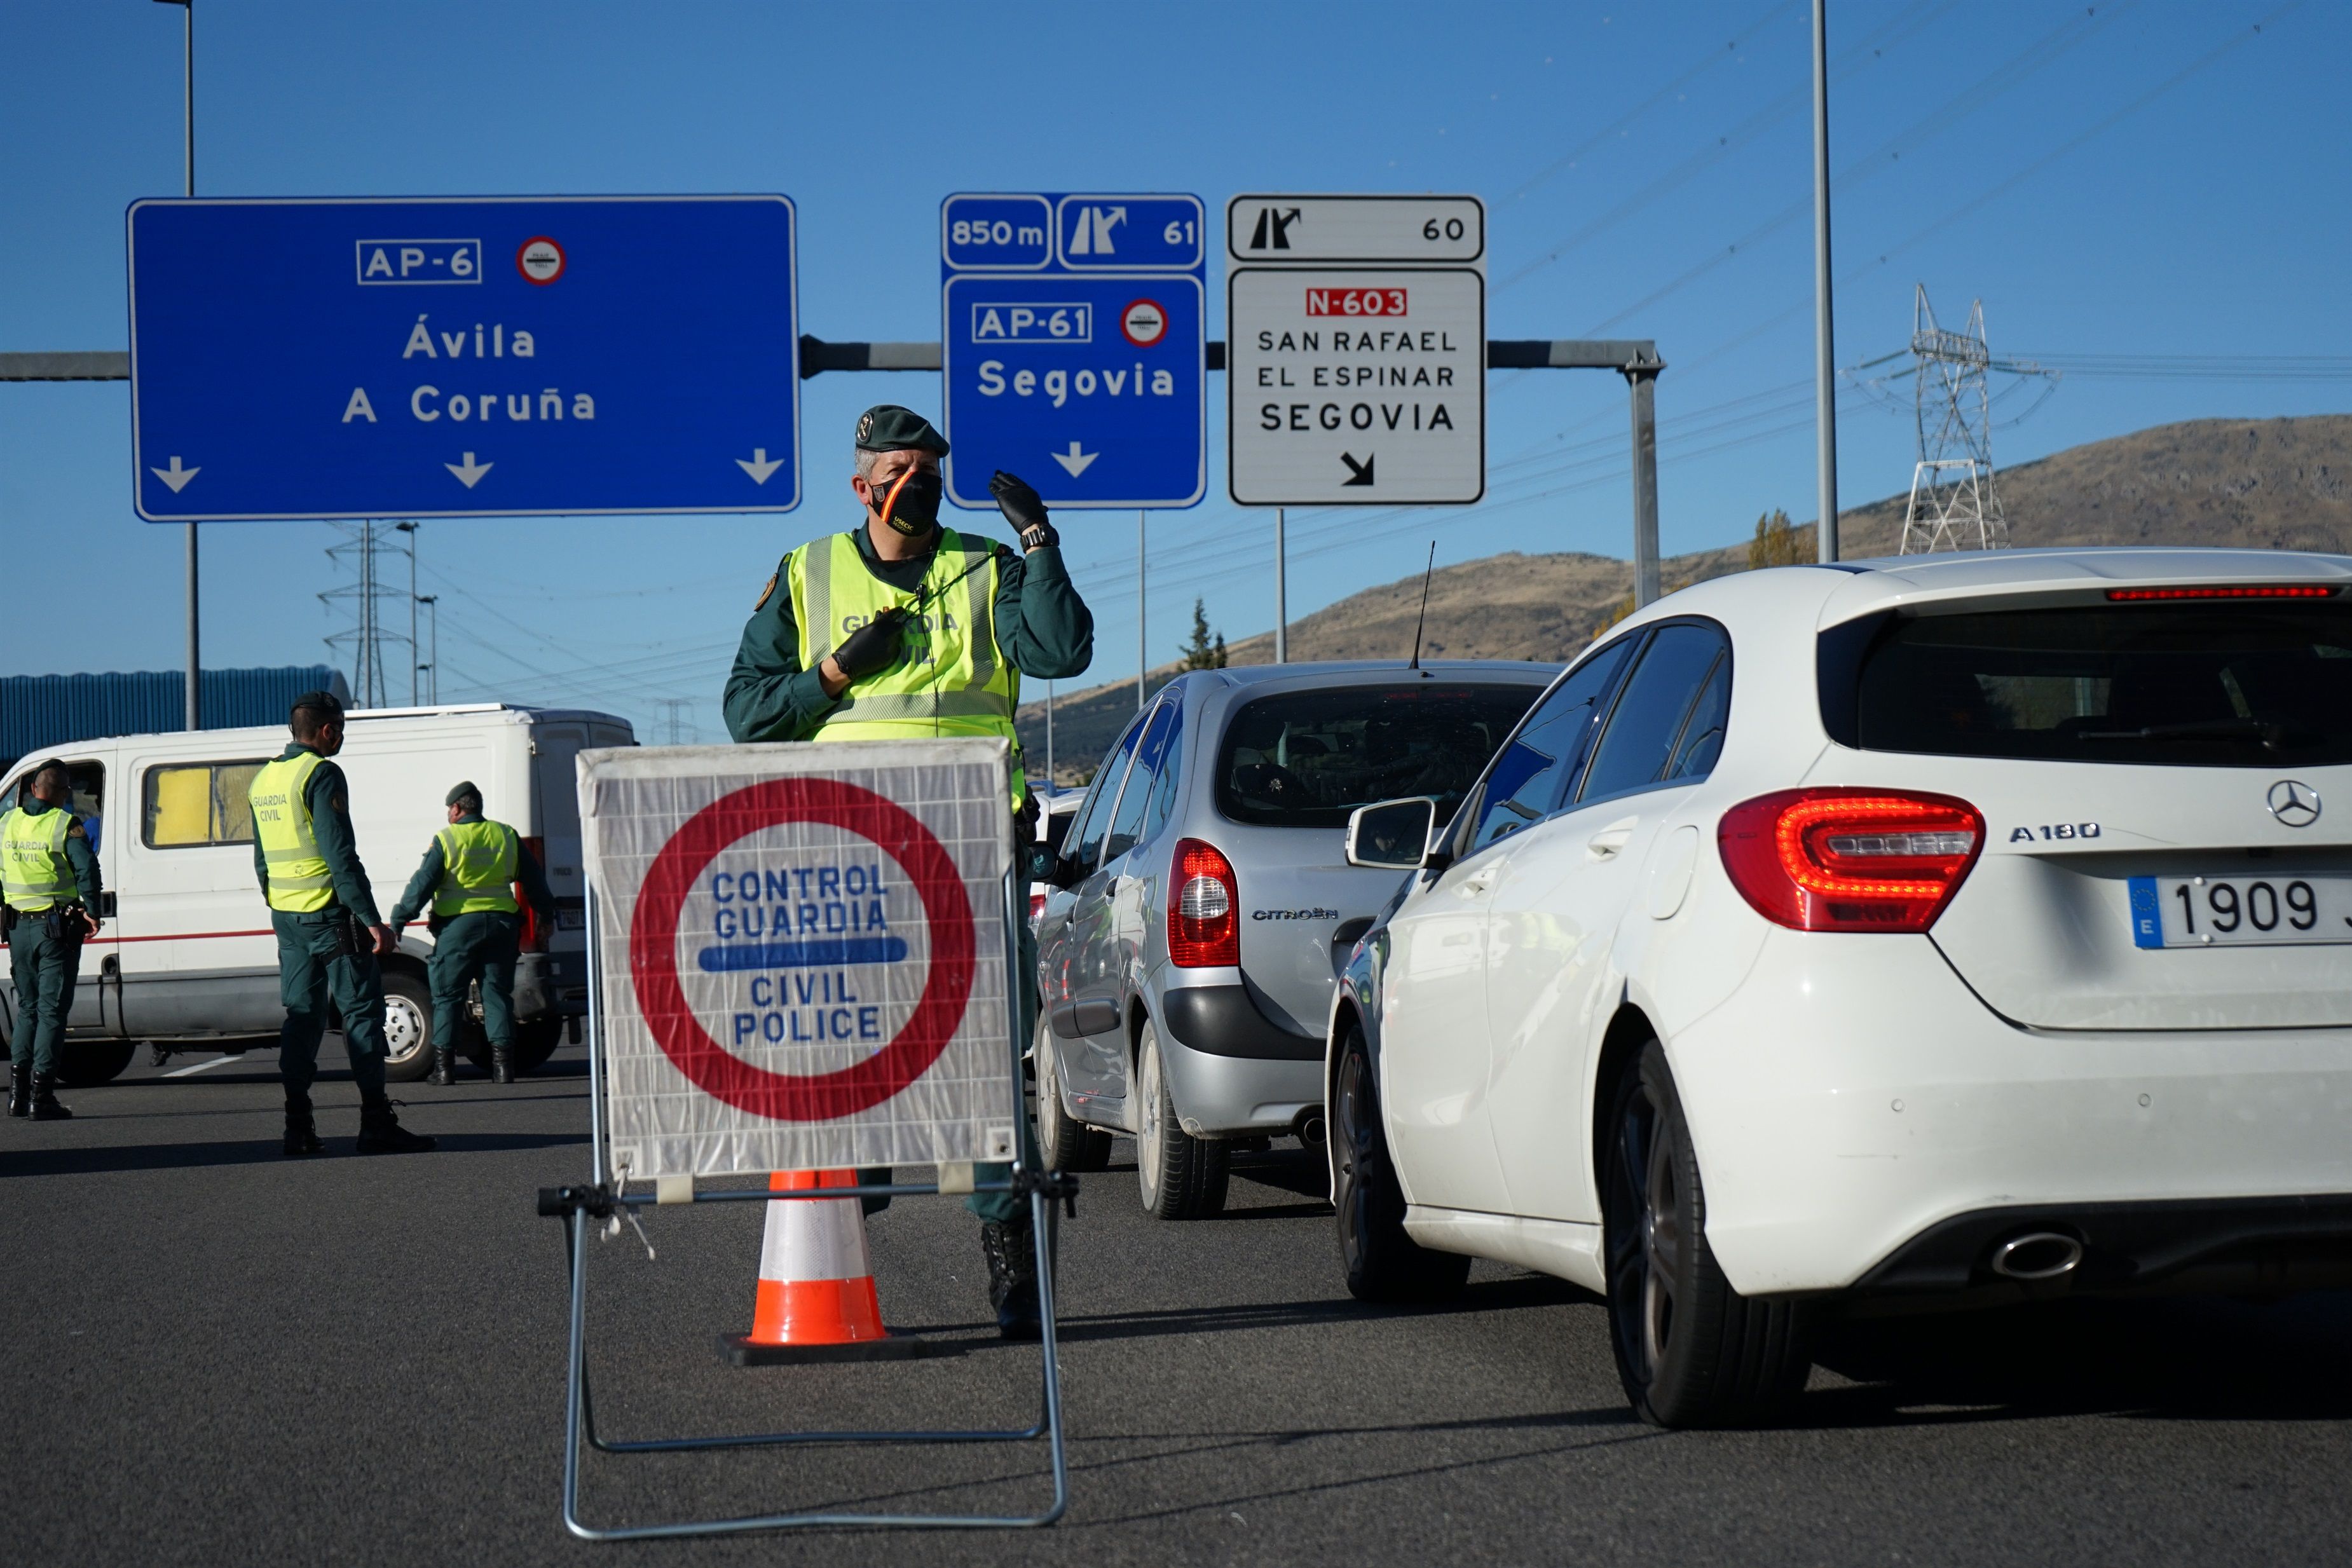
<point x="1025" y="509"/>
<point x="874" y="646"/>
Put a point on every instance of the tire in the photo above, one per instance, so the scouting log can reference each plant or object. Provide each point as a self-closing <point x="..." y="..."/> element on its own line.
<point x="407" y="1026"/>
<point x="1180" y="1176"/>
<point x="87" y="1064"/>
<point x="1691" y="1351"/>
<point x="1381" y="1261"/>
<point x="1064" y="1143"/>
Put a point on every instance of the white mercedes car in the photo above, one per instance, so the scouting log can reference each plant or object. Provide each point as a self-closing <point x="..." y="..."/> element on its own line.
<point x="1930" y="932"/>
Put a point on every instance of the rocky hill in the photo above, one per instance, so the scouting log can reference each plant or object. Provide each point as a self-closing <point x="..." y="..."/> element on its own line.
<point x="2276" y="484"/>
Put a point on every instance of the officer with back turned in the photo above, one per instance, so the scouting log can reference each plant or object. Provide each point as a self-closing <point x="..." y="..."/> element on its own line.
<point x="901" y="629"/>
<point x="49" y="886"/>
<point x="468" y="874"/>
<point x="329" y="934"/>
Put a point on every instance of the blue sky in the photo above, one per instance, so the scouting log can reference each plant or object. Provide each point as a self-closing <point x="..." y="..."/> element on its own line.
<point x="2150" y="179"/>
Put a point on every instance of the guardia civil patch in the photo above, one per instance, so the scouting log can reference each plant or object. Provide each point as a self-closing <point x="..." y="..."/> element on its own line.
<point x="767" y="593"/>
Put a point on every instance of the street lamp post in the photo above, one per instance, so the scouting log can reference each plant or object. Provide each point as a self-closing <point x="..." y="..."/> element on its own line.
<point x="194" y="712"/>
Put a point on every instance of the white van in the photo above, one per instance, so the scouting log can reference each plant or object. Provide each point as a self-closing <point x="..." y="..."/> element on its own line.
<point x="186" y="955"/>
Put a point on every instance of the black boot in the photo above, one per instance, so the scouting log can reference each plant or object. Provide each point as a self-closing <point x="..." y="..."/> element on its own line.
<point x="502" y="1065"/>
<point x="1012" y="1277"/>
<point x="20" y="1091"/>
<point x="301" y="1132"/>
<point x="45" y="1099"/>
<point x="445" y="1067"/>
<point x="381" y="1134"/>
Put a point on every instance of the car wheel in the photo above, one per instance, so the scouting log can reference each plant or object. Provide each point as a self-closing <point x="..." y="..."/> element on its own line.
<point x="1382" y="1262"/>
<point x="87" y="1064"/>
<point x="1691" y="1351"/>
<point x="1180" y="1176"/>
<point x="1064" y="1142"/>
<point x="407" y="1027"/>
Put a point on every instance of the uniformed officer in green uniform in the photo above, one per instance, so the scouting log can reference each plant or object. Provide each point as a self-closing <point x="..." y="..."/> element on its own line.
<point x="901" y="628"/>
<point x="49" y="883"/>
<point x="468" y="874"/>
<point x="328" y="933"/>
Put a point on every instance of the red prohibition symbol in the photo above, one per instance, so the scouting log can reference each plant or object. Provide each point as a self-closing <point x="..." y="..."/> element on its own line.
<point x="785" y="1096"/>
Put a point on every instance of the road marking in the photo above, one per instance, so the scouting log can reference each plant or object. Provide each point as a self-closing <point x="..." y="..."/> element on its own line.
<point x="203" y="1066"/>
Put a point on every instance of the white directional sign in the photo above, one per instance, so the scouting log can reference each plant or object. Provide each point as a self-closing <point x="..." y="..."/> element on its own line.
<point x="802" y="955"/>
<point x="1355" y="350"/>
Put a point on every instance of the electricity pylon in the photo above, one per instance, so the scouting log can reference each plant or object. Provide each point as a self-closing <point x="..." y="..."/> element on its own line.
<point x="1955" y="503"/>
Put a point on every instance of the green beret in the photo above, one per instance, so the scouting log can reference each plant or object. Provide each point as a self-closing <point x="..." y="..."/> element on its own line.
<point x="459" y="791"/>
<point x="887" y="427"/>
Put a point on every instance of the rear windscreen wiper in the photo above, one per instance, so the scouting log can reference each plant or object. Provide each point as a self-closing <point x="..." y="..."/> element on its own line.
<point x="2271" y="735"/>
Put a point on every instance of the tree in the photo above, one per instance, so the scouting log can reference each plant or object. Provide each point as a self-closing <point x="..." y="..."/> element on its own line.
<point x="1204" y="653"/>
<point x="1776" y="543"/>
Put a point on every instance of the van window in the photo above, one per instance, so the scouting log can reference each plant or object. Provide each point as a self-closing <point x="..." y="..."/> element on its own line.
<point x="194" y="805"/>
<point x="1307" y="758"/>
<point x="86" y="796"/>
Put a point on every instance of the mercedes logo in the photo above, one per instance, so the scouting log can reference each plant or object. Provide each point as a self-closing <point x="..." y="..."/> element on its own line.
<point x="2294" y="803"/>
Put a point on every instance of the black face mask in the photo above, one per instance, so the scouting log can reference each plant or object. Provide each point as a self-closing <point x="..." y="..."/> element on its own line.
<point x="914" y="503"/>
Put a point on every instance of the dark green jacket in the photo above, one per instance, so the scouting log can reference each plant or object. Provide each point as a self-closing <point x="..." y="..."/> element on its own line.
<point x="329" y="800"/>
<point x="78" y="852"/>
<point x="1043" y="629"/>
<point x="418" y="896"/>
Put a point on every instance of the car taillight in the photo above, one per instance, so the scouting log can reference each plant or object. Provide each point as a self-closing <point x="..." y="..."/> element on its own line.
<point x="1849" y="860"/>
<point x="1204" y="921"/>
<point x="537" y="848"/>
<point x="1036" y="907"/>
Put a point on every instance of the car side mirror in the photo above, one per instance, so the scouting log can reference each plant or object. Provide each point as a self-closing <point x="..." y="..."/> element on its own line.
<point x="1393" y="835"/>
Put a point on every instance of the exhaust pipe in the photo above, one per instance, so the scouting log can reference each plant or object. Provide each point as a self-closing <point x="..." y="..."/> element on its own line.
<point x="2037" y="1255"/>
<point x="1307" y="1126"/>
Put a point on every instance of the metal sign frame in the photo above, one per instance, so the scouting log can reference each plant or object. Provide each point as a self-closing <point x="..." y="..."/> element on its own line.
<point x="604" y="1200"/>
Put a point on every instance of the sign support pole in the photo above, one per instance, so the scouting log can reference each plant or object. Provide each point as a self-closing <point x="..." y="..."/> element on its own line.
<point x="195" y="703"/>
<point x="1281" y="596"/>
<point x="1825" y="534"/>
<point x="1642" y="382"/>
<point x="1142" y="644"/>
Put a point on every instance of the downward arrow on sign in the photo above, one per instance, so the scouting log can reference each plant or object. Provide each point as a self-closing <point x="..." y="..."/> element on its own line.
<point x="469" y="473"/>
<point x="1075" y="460"/>
<point x="176" y="476"/>
<point x="758" y="464"/>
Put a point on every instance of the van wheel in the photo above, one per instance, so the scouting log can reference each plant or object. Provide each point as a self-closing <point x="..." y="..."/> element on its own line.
<point x="1382" y="1262"/>
<point x="1182" y="1177"/>
<point x="1065" y="1143"/>
<point x="87" y="1064"/>
<point x="407" y="1026"/>
<point x="1691" y="1351"/>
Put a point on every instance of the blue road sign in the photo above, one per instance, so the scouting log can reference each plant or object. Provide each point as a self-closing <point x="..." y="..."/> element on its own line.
<point x="463" y="357"/>
<point x="1072" y="340"/>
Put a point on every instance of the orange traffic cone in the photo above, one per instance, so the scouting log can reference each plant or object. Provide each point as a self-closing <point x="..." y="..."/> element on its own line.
<point x="816" y="1300"/>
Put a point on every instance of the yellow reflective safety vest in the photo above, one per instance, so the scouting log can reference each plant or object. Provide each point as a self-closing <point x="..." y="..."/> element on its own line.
<point x="479" y="861"/>
<point x="34" y="871"/>
<point x="279" y="794"/>
<point x="950" y="679"/>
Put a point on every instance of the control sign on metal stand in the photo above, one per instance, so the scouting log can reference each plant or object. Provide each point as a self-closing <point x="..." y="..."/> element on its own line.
<point x="803" y="960"/>
<point x="1356" y="350"/>
<point x="463" y="357"/>
<point x="1072" y="337"/>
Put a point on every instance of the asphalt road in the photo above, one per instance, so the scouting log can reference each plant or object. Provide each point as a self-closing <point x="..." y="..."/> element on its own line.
<point x="215" y="1355"/>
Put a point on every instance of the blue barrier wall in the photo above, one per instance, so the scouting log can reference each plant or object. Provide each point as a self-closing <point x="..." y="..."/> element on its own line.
<point x="50" y="711"/>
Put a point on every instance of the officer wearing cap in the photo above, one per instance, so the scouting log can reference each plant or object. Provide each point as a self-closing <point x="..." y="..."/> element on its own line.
<point x="468" y="874"/>
<point x="49" y="887"/>
<point x="329" y="934"/>
<point x="901" y="628"/>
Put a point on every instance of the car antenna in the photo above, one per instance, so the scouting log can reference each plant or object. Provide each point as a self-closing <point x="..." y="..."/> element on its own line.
<point x="1424" y="620"/>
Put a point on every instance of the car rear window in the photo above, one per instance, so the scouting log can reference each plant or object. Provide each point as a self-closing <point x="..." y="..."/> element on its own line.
<point x="2227" y="685"/>
<point x="1306" y="759"/>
